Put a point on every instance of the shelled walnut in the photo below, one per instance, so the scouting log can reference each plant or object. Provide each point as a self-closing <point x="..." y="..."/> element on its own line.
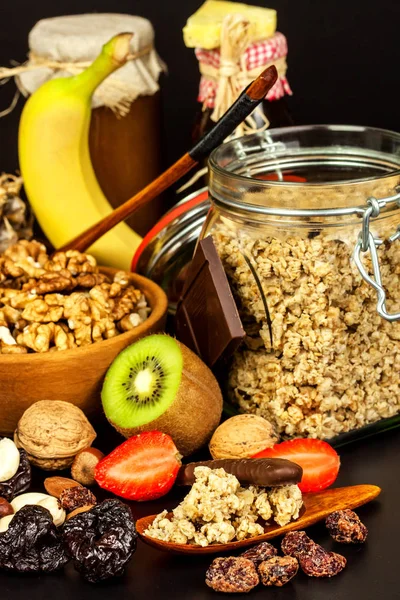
<point x="63" y="302"/>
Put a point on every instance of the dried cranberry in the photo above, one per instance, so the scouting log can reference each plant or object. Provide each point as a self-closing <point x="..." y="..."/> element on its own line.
<point x="345" y="527"/>
<point x="259" y="553"/>
<point x="321" y="563"/>
<point x="278" y="570"/>
<point x="232" y="575"/>
<point x="296" y="543"/>
<point x="76" y="497"/>
<point x="314" y="560"/>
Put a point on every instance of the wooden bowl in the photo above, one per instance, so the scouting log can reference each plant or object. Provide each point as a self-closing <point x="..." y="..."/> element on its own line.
<point x="72" y="375"/>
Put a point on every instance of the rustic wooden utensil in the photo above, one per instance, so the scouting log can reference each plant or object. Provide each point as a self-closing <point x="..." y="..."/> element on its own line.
<point x="316" y="507"/>
<point x="238" y="112"/>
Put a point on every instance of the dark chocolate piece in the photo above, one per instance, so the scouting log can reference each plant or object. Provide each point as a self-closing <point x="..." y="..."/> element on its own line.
<point x="266" y="472"/>
<point x="207" y="319"/>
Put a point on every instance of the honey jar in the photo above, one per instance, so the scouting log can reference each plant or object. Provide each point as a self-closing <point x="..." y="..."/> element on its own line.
<point x="125" y="126"/>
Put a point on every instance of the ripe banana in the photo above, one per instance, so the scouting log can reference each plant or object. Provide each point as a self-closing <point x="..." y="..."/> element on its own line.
<point x="55" y="162"/>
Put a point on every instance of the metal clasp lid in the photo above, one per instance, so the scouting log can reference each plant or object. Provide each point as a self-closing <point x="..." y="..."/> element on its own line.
<point x="367" y="242"/>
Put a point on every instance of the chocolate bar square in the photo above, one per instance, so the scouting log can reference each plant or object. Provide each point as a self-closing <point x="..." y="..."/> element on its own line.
<point x="207" y="319"/>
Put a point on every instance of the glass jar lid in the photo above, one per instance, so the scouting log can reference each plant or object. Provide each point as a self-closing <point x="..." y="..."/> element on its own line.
<point x="303" y="176"/>
<point x="283" y="171"/>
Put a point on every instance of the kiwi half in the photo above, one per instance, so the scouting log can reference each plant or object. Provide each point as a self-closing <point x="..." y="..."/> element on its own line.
<point x="158" y="383"/>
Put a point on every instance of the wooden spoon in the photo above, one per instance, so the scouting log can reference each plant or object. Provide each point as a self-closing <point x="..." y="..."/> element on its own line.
<point x="316" y="507"/>
<point x="248" y="100"/>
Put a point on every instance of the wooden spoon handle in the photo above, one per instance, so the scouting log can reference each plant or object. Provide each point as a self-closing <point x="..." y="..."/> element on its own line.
<point x="83" y="241"/>
<point x="240" y="110"/>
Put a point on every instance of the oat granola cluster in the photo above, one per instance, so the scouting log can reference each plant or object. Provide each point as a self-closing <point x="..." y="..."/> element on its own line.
<point x="59" y="303"/>
<point x="217" y="510"/>
<point x="335" y="362"/>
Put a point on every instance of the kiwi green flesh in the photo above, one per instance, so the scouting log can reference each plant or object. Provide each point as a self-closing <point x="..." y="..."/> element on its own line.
<point x="142" y="382"/>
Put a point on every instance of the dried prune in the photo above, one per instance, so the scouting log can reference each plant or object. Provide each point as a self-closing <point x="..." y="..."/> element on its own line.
<point x="21" y="480"/>
<point x="314" y="560"/>
<point x="232" y="575"/>
<point x="259" y="553"/>
<point x="102" y="540"/>
<point x="345" y="527"/>
<point x="76" y="497"/>
<point x="32" y="543"/>
<point x="278" y="570"/>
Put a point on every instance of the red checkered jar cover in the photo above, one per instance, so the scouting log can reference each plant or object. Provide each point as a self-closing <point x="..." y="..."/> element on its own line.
<point x="255" y="58"/>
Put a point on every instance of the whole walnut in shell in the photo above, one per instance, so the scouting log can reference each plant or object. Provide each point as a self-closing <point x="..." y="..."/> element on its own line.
<point x="242" y="436"/>
<point x="52" y="432"/>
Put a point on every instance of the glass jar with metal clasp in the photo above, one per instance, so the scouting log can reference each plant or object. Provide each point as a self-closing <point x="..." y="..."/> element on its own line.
<point x="306" y="222"/>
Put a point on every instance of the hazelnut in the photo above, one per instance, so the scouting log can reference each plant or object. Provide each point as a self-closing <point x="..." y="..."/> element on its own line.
<point x="84" y="464"/>
<point x="5" y="508"/>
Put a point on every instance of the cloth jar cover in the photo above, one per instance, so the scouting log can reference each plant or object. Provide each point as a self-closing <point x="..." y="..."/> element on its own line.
<point x="78" y="39"/>
<point x="257" y="55"/>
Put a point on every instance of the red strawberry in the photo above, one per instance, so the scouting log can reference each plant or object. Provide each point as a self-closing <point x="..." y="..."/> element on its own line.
<point x="142" y="468"/>
<point x="320" y="462"/>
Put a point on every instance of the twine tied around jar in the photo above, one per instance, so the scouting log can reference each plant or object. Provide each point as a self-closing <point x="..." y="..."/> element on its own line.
<point x="234" y="41"/>
<point x="116" y="94"/>
<point x="232" y="75"/>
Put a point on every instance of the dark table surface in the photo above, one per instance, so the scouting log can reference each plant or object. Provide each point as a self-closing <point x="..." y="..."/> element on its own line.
<point x="372" y="573"/>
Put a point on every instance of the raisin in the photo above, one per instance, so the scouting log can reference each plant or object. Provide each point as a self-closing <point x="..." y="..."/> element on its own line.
<point x="259" y="553"/>
<point x="20" y="482"/>
<point x="101" y="541"/>
<point x="345" y="527"/>
<point x="314" y="560"/>
<point x="232" y="574"/>
<point x="75" y="497"/>
<point x="321" y="563"/>
<point x="278" y="570"/>
<point x="296" y="543"/>
<point x="32" y="543"/>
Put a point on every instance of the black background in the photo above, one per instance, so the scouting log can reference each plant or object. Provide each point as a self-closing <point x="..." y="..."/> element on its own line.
<point x="343" y="60"/>
<point x="343" y="68"/>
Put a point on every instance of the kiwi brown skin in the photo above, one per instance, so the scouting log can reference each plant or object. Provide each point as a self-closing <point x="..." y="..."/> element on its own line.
<point x="196" y="411"/>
